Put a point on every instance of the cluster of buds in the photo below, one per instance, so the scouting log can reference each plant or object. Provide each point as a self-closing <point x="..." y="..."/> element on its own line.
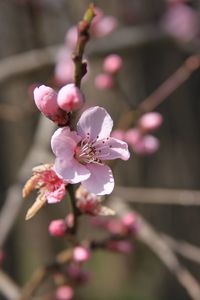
<point x="56" y="106"/>
<point x="140" y="138"/>
<point x="112" y="64"/>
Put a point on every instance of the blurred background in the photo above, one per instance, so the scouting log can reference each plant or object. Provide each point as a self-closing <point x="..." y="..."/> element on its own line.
<point x="154" y="37"/>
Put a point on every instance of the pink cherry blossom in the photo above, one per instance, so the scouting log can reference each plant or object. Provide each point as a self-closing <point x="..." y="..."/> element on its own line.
<point x="80" y="155"/>
<point x="70" y="98"/>
<point x="112" y="63"/>
<point x="150" y="121"/>
<point x="52" y="189"/>
<point x="104" y="81"/>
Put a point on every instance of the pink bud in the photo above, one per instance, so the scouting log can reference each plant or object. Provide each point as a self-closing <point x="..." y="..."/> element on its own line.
<point x="150" y="121"/>
<point x="132" y="136"/>
<point x="118" y="134"/>
<point x="81" y="254"/>
<point x="46" y="101"/>
<point x="64" y="70"/>
<point x="64" y="292"/>
<point x="104" y="81"/>
<point x="71" y="37"/>
<point x="57" y="228"/>
<point x="120" y="246"/>
<point x="70" y="98"/>
<point x="77" y="274"/>
<point x="105" y="26"/>
<point x="70" y="220"/>
<point x="112" y="63"/>
<point x="147" y="145"/>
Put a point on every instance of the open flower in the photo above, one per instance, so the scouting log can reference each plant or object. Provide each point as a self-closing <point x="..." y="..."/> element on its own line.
<point x="51" y="188"/>
<point x="80" y="155"/>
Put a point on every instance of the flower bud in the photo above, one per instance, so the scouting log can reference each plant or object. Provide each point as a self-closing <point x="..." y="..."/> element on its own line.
<point x="71" y="37"/>
<point x="70" y="98"/>
<point x="132" y="136"/>
<point x="112" y="63"/>
<point x="105" y="26"/>
<point x="57" y="228"/>
<point x="64" y="292"/>
<point x="130" y="222"/>
<point x="46" y="101"/>
<point x="147" y="145"/>
<point x="81" y="254"/>
<point x="104" y="81"/>
<point x="150" y="121"/>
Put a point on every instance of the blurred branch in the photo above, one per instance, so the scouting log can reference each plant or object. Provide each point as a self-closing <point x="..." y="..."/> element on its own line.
<point x="37" y="154"/>
<point x="153" y="239"/>
<point x="157" y="196"/>
<point x="8" y="288"/>
<point x="183" y="248"/>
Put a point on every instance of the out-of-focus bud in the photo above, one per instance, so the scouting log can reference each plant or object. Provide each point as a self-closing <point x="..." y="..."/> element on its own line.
<point x="64" y="69"/>
<point x="120" y="246"/>
<point x="115" y="227"/>
<point x="105" y="26"/>
<point x="118" y="134"/>
<point x="70" y="98"/>
<point x="147" y="145"/>
<point x="71" y="37"/>
<point x="104" y="81"/>
<point x="150" y="121"/>
<point x="46" y="101"/>
<point x="181" y="21"/>
<point x="112" y="63"/>
<point x="132" y="136"/>
<point x="64" y="292"/>
<point x="57" y="228"/>
<point x="81" y="254"/>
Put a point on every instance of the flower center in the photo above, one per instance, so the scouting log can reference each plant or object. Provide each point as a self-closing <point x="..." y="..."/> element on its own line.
<point x="92" y="151"/>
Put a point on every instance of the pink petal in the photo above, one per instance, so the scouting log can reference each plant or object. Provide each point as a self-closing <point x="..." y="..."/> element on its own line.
<point x="71" y="170"/>
<point x="116" y="149"/>
<point x="95" y="122"/>
<point x="101" y="181"/>
<point x="63" y="142"/>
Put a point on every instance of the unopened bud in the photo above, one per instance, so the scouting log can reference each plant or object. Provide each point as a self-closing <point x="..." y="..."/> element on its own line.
<point x="57" y="228"/>
<point x="81" y="254"/>
<point x="112" y="63"/>
<point x="147" y="145"/>
<point x="70" y="98"/>
<point x="104" y="81"/>
<point x="150" y="121"/>
<point x="105" y="26"/>
<point x="64" y="292"/>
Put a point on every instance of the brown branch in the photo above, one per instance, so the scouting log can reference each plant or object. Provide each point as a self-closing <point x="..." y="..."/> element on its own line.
<point x="153" y="239"/>
<point x="157" y="196"/>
